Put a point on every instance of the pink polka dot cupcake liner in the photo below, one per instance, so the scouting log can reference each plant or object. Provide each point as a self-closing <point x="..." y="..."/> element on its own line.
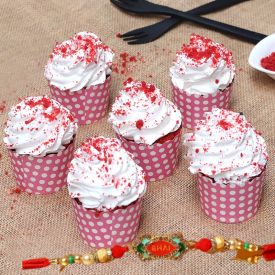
<point x="42" y="175"/>
<point x="157" y="160"/>
<point x="106" y="229"/>
<point x="193" y="107"/>
<point x="87" y="105"/>
<point x="230" y="203"/>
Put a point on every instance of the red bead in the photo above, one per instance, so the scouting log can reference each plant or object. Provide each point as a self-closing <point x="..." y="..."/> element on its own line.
<point x="204" y="245"/>
<point x="118" y="251"/>
<point x="35" y="263"/>
<point x="269" y="252"/>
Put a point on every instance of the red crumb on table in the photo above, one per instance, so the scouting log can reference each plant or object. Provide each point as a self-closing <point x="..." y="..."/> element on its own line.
<point x="126" y="63"/>
<point x="118" y="34"/>
<point x="2" y="107"/>
<point x="268" y="62"/>
<point x="15" y="190"/>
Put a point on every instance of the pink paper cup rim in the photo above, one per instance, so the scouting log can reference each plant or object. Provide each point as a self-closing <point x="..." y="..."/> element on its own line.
<point x="42" y="175"/>
<point x="157" y="160"/>
<point x="106" y="229"/>
<point x="88" y="105"/>
<point x="193" y="107"/>
<point x="230" y="203"/>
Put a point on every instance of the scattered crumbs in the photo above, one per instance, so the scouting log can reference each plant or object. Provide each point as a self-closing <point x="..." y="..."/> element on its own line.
<point x="126" y="63"/>
<point x="2" y="107"/>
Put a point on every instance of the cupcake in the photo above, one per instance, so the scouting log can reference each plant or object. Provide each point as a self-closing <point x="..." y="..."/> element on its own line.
<point x="229" y="156"/>
<point x="149" y="126"/>
<point x="202" y="78"/>
<point x="106" y="187"/>
<point x="79" y="75"/>
<point x="40" y="135"/>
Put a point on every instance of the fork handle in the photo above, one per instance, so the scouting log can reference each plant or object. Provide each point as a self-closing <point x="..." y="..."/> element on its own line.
<point x="247" y="35"/>
<point x="213" y="6"/>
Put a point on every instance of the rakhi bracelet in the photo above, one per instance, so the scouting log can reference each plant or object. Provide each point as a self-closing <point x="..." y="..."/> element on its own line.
<point x="162" y="247"/>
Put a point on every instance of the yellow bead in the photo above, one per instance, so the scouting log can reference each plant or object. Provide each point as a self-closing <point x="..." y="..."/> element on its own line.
<point x="64" y="261"/>
<point x="77" y="259"/>
<point x="88" y="259"/>
<point x="103" y="256"/>
<point x="219" y="241"/>
<point x="232" y="244"/>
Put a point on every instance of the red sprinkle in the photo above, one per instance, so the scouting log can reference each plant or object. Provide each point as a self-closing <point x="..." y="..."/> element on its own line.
<point x="139" y="124"/>
<point x="201" y="49"/>
<point x="118" y="34"/>
<point x="268" y="62"/>
<point x="2" y="107"/>
<point x="225" y="124"/>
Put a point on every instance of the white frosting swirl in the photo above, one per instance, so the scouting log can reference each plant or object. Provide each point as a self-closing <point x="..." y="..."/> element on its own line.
<point x="79" y="62"/>
<point x="141" y="113"/>
<point x="202" y="67"/>
<point x="226" y="147"/>
<point x="104" y="176"/>
<point x="38" y="126"/>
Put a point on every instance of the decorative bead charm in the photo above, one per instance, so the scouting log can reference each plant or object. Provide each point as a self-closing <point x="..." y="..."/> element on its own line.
<point x="204" y="245"/>
<point x="71" y="259"/>
<point x="103" y="256"/>
<point x="118" y="251"/>
<point x="77" y="259"/>
<point x="88" y="259"/>
<point x="219" y="243"/>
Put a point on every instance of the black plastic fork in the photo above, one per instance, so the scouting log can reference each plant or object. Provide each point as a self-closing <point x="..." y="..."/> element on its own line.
<point x="152" y="32"/>
<point x="145" y="7"/>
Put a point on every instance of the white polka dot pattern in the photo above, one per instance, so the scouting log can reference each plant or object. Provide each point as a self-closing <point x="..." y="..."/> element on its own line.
<point x="106" y="229"/>
<point x="193" y="107"/>
<point x="230" y="203"/>
<point x="87" y="105"/>
<point x="158" y="160"/>
<point x="38" y="175"/>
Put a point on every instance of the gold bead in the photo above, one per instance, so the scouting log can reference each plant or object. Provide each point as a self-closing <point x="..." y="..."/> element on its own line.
<point x="64" y="261"/>
<point x="219" y="241"/>
<point x="191" y="244"/>
<point x="87" y="259"/>
<point x="232" y="244"/>
<point x="239" y="244"/>
<point x="102" y="255"/>
<point x="77" y="259"/>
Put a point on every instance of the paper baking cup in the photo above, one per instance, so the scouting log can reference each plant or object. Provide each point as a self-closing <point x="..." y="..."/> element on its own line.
<point x="87" y="105"/>
<point x="42" y="175"/>
<point x="193" y="107"/>
<point x="230" y="203"/>
<point x="158" y="160"/>
<point x="106" y="229"/>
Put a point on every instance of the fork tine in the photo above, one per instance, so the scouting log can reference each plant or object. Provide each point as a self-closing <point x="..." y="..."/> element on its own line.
<point x="135" y="37"/>
<point x="131" y="33"/>
<point x="139" y="41"/>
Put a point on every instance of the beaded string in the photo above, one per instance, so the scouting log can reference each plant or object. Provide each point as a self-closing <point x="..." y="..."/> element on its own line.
<point x="167" y="247"/>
